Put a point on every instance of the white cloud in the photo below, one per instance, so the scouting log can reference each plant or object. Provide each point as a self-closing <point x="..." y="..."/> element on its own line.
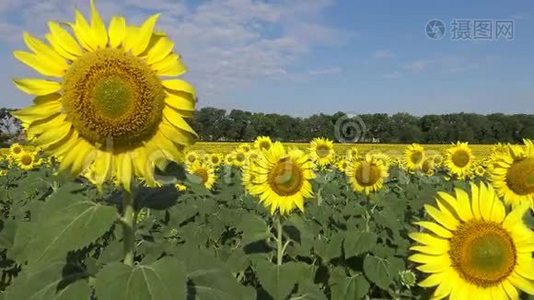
<point x="383" y="54"/>
<point x="393" y="75"/>
<point x="226" y="44"/>
<point x="419" y="65"/>
<point x="325" y="71"/>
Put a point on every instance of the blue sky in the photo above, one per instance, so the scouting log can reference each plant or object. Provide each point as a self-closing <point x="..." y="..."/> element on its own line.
<point x="301" y="57"/>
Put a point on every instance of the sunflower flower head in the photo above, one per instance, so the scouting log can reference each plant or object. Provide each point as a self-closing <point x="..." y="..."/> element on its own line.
<point x="367" y="175"/>
<point x="473" y="248"/>
<point x="104" y="103"/>
<point x="459" y="160"/>
<point x="280" y="178"/>
<point x="414" y="156"/>
<point x="512" y="175"/>
<point x="322" y="151"/>
<point x="263" y="143"/>
<point x="202" y="173"/>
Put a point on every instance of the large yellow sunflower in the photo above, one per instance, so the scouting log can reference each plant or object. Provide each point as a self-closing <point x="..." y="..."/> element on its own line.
<point x="459" y="160"/>
<point x="367" y="174"/>
<point x="414" y="156"/>
<point x="322" y="151"/>
<point x="203" y="173"/>
<point x="474" y="250"/>
<point x="280" y="178"/>
<point x="107" y="104"/>
<point x="512" y="175"/>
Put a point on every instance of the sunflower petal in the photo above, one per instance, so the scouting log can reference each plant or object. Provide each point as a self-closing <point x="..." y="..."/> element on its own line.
<point x="140" y="42"/>
<point x="170" y="66"/>
<point x="41" y="64"/>
<point x="179" y="85"/>
<point x="464" y="205"/>
<point x="117" y="31"/>
<point x="38" y="87"/>
<point x="102" y="167"/>
<point x="429" y="240"/>
<point x="445" y="218"/>
<point x="60" y="38"/>
<point x="50" y="137"/>
<point x="38" y="112"/>
<point x="83" y="32"/>
<point x="180" y="102"/>
<point x="161" y="49"/>
<point x="177" y="120"/>
<point x="98" y="27"/>
<point x="435" y="228"/>
<point x="124" y="170"/>
<point x="522" y="283"/>
<point x="40" y="48"/>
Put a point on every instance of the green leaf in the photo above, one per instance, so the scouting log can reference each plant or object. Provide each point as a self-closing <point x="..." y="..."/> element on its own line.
<point x="356" y="243"/>
<point x="254" y="228"/>
<point x="78" y="290"/>
<point x="68" y="225"/>
<point x="379" y="271"/>
<point x="7" y="233"/>
<point x="309" y="291"/>
<point x="349" y="288"/>
<point x="279" y="281"/>
<point x="208" y="278"/>
<point x="331" y="249"/>
<point x="41" y="282"/>
<point x="164" y="279"/>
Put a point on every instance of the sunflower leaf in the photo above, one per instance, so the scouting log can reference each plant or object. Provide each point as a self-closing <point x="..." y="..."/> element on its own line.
<point x="162" y="280"/>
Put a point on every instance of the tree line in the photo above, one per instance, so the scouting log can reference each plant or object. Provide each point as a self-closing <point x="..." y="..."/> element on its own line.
<point x="214" y="124"/>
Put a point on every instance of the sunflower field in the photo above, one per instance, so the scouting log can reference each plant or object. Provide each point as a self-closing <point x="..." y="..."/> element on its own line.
<point x="110" y="197"/>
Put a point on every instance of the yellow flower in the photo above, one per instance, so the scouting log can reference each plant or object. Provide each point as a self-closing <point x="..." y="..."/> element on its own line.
<point x="3" y="173"/>
<point x="27" y="160"/>
<point x="352" y="153"/>
<point x="342" y="164"/>
<point x="367" y="175"/>
<point x="459" y="160"/>
<point x="180" y="187"/>
<point x="216" y="159"/>
<point x="428" y="166"/>
<point x="280" y="178"/>
<point x="15" y="149"/>
<point x="191" y="157"/>
<point x="103" y="102"/>
<point x="512" y="175"/>
<point x="240" y="157"/>
<point x="244" y="147"/>
<point x="474" y="249"/>
<point x="322" y="151"/>
<point x="414" y="156"/>
<point x="229" y="159"/>
<point x="263" y="143"/>
<point x="203" y="173"/>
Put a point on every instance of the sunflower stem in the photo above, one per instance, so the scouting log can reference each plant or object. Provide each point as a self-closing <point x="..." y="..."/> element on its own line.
<point x="279" y="247"/>
<point x="128" y="228"/>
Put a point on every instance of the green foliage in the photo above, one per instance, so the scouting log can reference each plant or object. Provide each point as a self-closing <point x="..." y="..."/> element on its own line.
<point x="214" y="124"/>
<point x="161" y="280"/>
<point x="61" y="239"/>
